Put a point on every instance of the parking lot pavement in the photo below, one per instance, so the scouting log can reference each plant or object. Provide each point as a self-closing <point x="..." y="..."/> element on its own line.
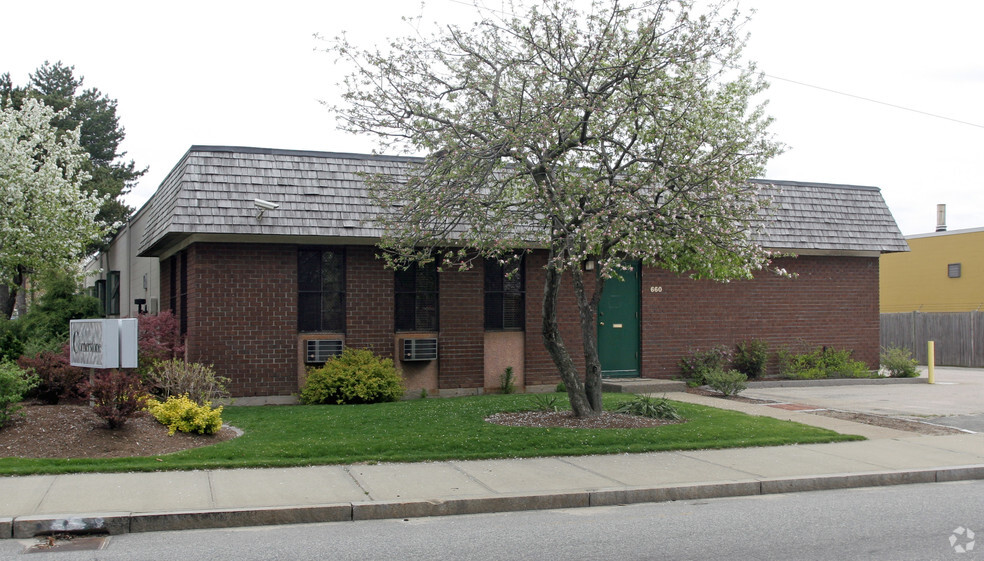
<point x="955" y="399"/>
<point x="973" y="423"/>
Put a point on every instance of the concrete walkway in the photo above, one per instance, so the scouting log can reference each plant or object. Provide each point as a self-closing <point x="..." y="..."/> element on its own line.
<point x="141" y="502"/>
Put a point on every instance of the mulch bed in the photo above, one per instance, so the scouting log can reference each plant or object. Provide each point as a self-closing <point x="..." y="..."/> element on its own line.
<point x="74" y="431"/>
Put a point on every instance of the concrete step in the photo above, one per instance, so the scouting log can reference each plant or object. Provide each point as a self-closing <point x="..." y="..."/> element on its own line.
<point x="642" y="385"/>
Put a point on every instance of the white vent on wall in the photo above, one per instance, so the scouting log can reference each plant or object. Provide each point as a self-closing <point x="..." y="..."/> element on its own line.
<point x="419" y="349"/>
<point x="320" y="350"/>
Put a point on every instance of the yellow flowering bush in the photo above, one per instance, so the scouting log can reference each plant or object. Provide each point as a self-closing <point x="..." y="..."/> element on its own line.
<point x="183" y="414"/>
<point x="357" y="376"/>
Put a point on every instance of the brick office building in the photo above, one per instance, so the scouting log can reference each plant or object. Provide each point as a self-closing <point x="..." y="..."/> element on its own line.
<point x="267" y="258"/>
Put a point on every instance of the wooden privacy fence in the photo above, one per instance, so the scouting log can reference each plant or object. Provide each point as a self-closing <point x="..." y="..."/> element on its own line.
<point x="959" y="336"/>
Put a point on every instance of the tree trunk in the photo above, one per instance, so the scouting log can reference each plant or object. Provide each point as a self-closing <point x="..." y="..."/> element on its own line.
<point x="588" y="312"/>
<point x="8" y="298"/>
<point x="8" y="293"/>
<point x="20" y="306"/>
<point x="554" y="342"/>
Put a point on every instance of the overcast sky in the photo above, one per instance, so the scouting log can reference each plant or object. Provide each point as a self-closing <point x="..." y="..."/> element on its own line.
<point x="248" y="73"/>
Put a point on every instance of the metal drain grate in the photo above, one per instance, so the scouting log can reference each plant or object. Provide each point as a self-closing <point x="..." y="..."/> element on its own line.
<point x="68" y="542"/>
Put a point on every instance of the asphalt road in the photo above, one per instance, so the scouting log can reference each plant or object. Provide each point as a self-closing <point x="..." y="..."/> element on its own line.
<point x="892" y="523"/>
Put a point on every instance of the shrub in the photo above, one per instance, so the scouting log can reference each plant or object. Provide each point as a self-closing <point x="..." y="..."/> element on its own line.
<point x="14" y="383"/>
<point x="176" y="377"/>
<point x="699" y="363"/>
<point x="651" y="407"/>
<point x="507" y="382"/>
<point x="825" y="362"/>
<point x="116" y="396"/>
<point x="183" y="414"/>
<point x="158" y="339"/>
<point x="11" y="347"/>
<point x="731" y="382"/>
<point x="357" y="376"/>
<point x="45" y="326"/>
<point x="544" y="402"/>
<point x="750" y="358"/>
<point x="58" y="379"/>
<point x="784" y="363"/>
<point x="899" y="363"/>
<point x="561" y="388"/>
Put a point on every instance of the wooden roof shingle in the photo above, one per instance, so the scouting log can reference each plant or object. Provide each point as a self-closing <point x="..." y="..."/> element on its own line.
<point x="322" y="195"/>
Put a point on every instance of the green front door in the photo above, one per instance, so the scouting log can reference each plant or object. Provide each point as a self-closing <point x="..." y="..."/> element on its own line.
<point x="618" y="326"/>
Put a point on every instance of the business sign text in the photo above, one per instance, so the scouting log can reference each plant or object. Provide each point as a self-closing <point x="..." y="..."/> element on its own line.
<point x="103" y="343"/>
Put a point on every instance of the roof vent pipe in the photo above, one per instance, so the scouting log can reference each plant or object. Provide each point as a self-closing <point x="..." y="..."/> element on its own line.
<point x="941" y="218"/>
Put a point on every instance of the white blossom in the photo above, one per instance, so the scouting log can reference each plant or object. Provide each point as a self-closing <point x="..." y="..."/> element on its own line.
<point x="45" y="217"/>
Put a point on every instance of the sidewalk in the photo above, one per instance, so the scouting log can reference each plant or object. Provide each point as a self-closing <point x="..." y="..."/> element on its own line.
<point x="143" y="502"/>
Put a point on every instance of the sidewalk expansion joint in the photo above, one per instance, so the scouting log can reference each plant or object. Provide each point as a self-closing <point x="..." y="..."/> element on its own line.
<point x="359" y="483"/>
<point x="44" y="495"/>
<point x="689" y="455"/>
<point x="591" y="471"/>
<point x="211" y="489"/>
<point x="470" y="477"/>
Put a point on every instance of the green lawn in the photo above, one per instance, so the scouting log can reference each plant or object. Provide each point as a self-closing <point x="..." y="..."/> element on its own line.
<point x="434" y="429"/>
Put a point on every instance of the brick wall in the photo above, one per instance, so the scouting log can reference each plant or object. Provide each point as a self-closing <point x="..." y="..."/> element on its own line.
<point x="242" y="315"/>
<point x="462" y="329"/>
<point x="540" y="368"/>
<point x="833" y="302"/>
<point x="368" y="301"/>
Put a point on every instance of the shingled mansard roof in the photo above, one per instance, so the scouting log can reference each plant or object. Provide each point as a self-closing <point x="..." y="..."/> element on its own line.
<point x="209" y="195"/>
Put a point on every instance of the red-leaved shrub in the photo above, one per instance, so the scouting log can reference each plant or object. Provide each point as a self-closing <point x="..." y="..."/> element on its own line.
<point x="158" y="339"/>
<point x="116" y="396"/>
<point x="58" y="379"/>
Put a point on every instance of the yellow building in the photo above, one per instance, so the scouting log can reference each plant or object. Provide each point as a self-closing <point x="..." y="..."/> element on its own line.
<point x="942" y="272"/>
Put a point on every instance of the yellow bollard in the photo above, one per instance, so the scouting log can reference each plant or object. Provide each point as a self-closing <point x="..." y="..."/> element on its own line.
<point x="931" y="360"/>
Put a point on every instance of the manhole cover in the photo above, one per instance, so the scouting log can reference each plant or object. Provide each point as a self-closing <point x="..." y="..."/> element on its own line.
<point x="68" y="542"/>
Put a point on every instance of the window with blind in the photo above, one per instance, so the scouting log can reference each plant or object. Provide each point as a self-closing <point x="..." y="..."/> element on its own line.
<point x="113" y="293"/>
<point x="416" y="298"/>
<point x="505" y="295"/>
<point x="320" y="290"/>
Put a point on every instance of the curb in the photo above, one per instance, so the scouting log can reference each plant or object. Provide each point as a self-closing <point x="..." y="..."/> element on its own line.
<point x="832" y="382"/>
<point x="115" y="523"/>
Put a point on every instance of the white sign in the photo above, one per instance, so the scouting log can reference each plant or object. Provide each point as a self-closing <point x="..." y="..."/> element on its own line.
<point x="103" y="343"/>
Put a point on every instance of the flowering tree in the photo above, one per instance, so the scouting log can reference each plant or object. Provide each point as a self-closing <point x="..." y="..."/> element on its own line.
<point x="612" y="134"/>
<point x="45" y="218"/>
<point x="100" y="133"/>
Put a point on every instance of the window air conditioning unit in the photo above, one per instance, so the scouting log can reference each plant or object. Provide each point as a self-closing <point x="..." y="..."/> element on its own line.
<point x="419" y="349"/>
<point x="320" y="350"/>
